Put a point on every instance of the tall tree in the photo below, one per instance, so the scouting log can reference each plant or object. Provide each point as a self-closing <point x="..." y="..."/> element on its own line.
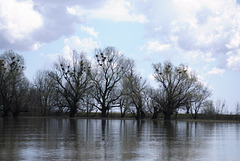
<point x="109" y="70"/>
<point x="174" y="85"/>
<point x="13" y="83"/>
<point x="73" y="80"/>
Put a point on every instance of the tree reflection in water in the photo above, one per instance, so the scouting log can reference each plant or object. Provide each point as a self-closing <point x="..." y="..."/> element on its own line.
<point x="83" y="139"/>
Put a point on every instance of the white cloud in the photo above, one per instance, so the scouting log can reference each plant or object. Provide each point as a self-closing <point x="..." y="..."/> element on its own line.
<point x="155" y="46"/>
<point x="74" y="43"/>
<point x="209" y="28"/>
<point x="18" y="19"/>
<point x="216" y="71"/>
<point x="27" y="24"/>
<point x="90" y="30"/>
<point x="114" y="10"/>
<point x="81" y="45"/>
<point x="151" y="77"/>
<point x="18" y="22"/>
<point x="199" y="57"/>
<point x="233" y="62"/>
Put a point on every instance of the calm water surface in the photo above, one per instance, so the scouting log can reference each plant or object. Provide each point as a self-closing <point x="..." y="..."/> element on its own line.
<point x="82" y="139"/>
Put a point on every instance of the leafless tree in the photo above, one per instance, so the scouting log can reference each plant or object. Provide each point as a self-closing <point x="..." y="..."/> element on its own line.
<point x="197" y="97"/>
<point x="73" y="80"/>
<point x="174" y="85"/>
<point x="237" y="110"/>
<point x="208" y="108"/>
<point x="45" y="91"/>
<point x="156" y="102"/>
<point x="135" y="87"/>
<point x="13" y="83"/>
<point x="124" y="104"/>
<point x="109" y="70"/>
<point x="220" y="106"/>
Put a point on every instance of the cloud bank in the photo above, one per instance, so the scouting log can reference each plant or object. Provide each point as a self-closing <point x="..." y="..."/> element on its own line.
<point x="203" y="27"/>
<point x="26" y="24"/>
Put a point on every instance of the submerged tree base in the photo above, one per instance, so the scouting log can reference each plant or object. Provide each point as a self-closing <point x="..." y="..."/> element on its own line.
<point x="128" y="116"/>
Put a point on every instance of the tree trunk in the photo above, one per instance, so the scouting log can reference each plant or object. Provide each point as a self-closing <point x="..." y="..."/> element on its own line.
<point x="188" y="109"/>
<point x="72" y="111"/>
<point x="142" y="114"/>
<point x="195" y="116"/>
<point x="6" y="110"/>
<point x="15" y="113"/>
<point x="138" y="115"/>
<point x="5" y="113"/>
<point x="123" y="115"/>
<point x="167" y="115"/>
<point x="104" y="113"/>
<point x="155" y="115"/>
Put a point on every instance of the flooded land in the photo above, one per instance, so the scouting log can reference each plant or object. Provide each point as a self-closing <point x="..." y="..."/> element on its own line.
<point x="96" y="139"/>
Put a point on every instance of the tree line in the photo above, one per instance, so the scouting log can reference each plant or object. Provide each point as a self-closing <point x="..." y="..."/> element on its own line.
<point x="109" y="82"/>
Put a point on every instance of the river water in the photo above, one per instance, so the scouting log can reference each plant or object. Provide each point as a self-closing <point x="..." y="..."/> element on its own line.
<point x="93" y="139"/>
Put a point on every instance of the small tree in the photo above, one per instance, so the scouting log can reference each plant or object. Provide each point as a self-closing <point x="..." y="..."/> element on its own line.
<point x="220" y="106"/>
<point x="124" y="104"/>
<point x="196" y="99"/>
<point x="156" y="100"/>
<point x="237" y="110"/>
<point x="208" y="108"/>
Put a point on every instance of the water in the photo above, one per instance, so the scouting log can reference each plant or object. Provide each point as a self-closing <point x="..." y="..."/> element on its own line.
<point x="82" y="139"/>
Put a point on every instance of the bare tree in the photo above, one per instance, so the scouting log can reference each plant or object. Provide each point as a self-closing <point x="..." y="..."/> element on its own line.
<point x="124" y="104"/>
<point x="13" y="83"/>
<point x="220" y="106"/>
<point x="156" y="102"/>
<point x="135" y="87"/>
<point x="197" y="97"/>
<point x="208" y="108"/>
<point x="174" y="85"/>
<point x="110" y="69"/>
<point x="45" y="91"/>
<point x="237" y="110"/>
<point x="73" y="80"/>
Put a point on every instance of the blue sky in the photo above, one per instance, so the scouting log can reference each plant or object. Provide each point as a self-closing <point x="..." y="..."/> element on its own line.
<point x="203" y="34"/>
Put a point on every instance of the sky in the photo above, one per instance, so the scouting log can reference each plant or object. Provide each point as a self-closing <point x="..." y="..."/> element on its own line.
<point x="203" y="34"/>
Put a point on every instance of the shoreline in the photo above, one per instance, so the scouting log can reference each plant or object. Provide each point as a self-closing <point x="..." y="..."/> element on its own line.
<point x="181" y="118"/>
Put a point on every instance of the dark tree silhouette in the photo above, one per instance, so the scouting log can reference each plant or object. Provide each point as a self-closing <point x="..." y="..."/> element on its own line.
<point x="73" y="80"/>
<point x="134" y="87"/>
<point x="175" y="83"/>
<point x="110" y="68"/>
<point x="13" y="84"/>
<point x="197" y="98"/>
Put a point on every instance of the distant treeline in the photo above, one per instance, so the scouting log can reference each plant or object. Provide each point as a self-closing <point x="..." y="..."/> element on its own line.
<point x="109" y="83"/>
